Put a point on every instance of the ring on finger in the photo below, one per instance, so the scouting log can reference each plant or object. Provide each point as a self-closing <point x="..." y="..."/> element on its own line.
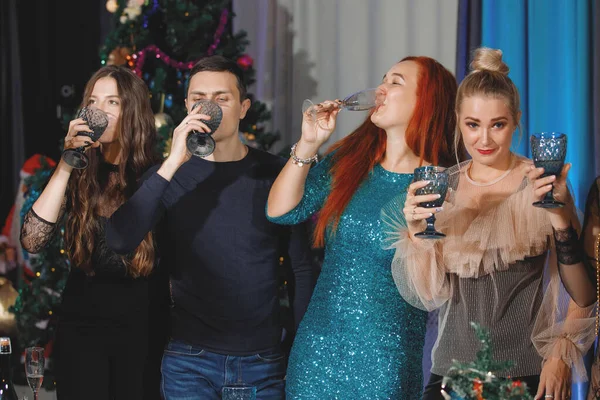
<point x="548" y="396"/>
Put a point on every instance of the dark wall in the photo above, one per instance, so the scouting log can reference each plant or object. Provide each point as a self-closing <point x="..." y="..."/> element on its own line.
<point x="59" y="50"/>
<point x="59" y="42"/>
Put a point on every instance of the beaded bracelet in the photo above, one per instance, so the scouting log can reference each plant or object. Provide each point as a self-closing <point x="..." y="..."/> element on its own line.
<point x="302" y="161"/>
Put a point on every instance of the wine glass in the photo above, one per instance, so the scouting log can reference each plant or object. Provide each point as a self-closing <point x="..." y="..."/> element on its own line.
<point x="359" y="101"/>
<point x="238" y="391"/>
<point x="97" y="121"/>
<point x="34" y="368"/>
<point x="438" y="184"/>
<point x="201" y="144"/>
<point x="549" y="150"/>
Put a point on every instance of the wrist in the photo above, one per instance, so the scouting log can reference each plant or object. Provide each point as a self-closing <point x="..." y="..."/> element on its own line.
<point x="63" y="169"/>
<point x="306" y="149"/>
<point x="168" y="168"/>
<point x="301" y="161"/>
<point x="560" y="221"/>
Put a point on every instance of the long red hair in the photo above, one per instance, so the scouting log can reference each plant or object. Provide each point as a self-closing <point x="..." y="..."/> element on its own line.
<point x="429" y="134"/>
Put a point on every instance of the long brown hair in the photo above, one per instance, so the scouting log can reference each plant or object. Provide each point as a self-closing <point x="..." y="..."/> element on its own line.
<point x="429" y="135"/>
<point x="85" y="191"/>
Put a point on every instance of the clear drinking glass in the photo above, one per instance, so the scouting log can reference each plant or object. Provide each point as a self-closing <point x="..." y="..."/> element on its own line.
<point x="34" y="368"/>
<point x="359" y="101"/>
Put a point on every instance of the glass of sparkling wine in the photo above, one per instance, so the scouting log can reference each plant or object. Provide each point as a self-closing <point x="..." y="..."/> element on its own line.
<point x="359" y="101"/>
<point x="34" y="368"/>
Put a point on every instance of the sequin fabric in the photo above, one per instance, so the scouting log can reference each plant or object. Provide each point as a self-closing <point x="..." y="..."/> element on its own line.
<point x="359" y="339"/>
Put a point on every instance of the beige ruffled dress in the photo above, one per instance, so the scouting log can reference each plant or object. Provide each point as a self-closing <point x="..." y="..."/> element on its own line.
<point x="494" y="267"/>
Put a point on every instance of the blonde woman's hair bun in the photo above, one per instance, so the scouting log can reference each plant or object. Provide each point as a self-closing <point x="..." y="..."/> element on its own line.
<point x="487" y="59"/>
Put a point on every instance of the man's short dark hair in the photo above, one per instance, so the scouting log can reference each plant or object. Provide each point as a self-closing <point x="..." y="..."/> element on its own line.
<point x="221" y="64"/>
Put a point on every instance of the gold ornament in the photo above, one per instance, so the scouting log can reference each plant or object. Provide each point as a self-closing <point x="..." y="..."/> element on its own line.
<point x="119" y="56"/>
<point x="162" y="120"/>
<point x="167" y="149"/>
<point x="112" y="6"/>
<point x="8" y="296"/>
<point x="164" y="126"/>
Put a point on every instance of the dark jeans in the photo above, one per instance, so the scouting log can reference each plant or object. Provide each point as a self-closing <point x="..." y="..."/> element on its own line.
<point x="192" y="373"/>
<point x="434" y="386"/>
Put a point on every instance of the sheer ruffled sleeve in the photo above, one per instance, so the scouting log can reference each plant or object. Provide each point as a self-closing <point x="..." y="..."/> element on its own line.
<point x="36" y="232"/>
<point x="563" y="329"/>
<point x="316" y="190"/>
<point x="486" y="231"/>
<point x="418" y="267"/>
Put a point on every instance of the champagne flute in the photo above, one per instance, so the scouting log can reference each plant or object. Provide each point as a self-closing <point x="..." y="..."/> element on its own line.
<point x="548" y="150"/>
<point x="34" y="368"/>
<point x="438" y="184"/>
<point x="359" y="101"/>
<point x="97" y="121"/>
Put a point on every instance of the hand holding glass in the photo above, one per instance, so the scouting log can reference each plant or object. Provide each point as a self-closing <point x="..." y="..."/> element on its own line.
<point x="438" y="184"/>
<point x="97" y="121"/>
<point x="359" y="101"/>
<point x="548" y="150"/>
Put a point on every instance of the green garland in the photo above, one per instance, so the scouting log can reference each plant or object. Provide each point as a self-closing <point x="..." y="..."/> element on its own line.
<point x="477" y="380"/>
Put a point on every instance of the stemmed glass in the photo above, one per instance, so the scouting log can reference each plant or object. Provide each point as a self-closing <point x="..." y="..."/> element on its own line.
<point x="438" y="184"/>
<point x="97" y="121"/>
<point x="549" y="150"/>
<point x="202" y="144"/>
<point x="34" y="368"/>
<point x="359" y="101"/>
<point x="238" y="391"/>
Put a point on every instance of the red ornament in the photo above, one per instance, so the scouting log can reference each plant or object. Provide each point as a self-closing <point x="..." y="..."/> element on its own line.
<point x="245" y="61"/>
<point x="478" y="389"/>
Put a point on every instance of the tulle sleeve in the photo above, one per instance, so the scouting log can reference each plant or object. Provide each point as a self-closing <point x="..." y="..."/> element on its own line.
<point x="418" y="268"/>
<point x="563" y="329"/>
<point x="486" y="232"/>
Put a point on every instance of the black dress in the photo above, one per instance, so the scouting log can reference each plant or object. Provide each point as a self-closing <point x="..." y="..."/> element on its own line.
<point x="111" y="327"/>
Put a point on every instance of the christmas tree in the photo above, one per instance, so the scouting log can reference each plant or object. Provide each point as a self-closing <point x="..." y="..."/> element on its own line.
<point x="477" y="380"/>
<point x="160" y="40"/>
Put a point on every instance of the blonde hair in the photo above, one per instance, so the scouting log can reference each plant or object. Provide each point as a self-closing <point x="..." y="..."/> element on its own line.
<point x="489" y="77"/>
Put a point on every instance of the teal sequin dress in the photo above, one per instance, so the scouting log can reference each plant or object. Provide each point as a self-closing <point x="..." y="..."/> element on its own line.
<point x="359" y="339"/>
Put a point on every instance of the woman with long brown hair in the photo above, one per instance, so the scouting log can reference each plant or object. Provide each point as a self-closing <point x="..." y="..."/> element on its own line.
<point x="358" y="338"/>
<point x="104" y="328"/>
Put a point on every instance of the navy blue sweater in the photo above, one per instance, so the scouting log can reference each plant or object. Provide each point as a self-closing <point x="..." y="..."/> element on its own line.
<point x="220" y="249"/>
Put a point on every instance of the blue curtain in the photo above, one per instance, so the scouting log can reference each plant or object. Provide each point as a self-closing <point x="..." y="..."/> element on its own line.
<point x="547" y="45"/>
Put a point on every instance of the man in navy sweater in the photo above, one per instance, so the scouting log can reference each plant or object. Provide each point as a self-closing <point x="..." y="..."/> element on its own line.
<point x="222" y="253"/>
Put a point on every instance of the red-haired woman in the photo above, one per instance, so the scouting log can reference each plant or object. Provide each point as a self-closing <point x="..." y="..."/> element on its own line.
<point x="105" y="336"/>
<point x="358" y="338"/>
